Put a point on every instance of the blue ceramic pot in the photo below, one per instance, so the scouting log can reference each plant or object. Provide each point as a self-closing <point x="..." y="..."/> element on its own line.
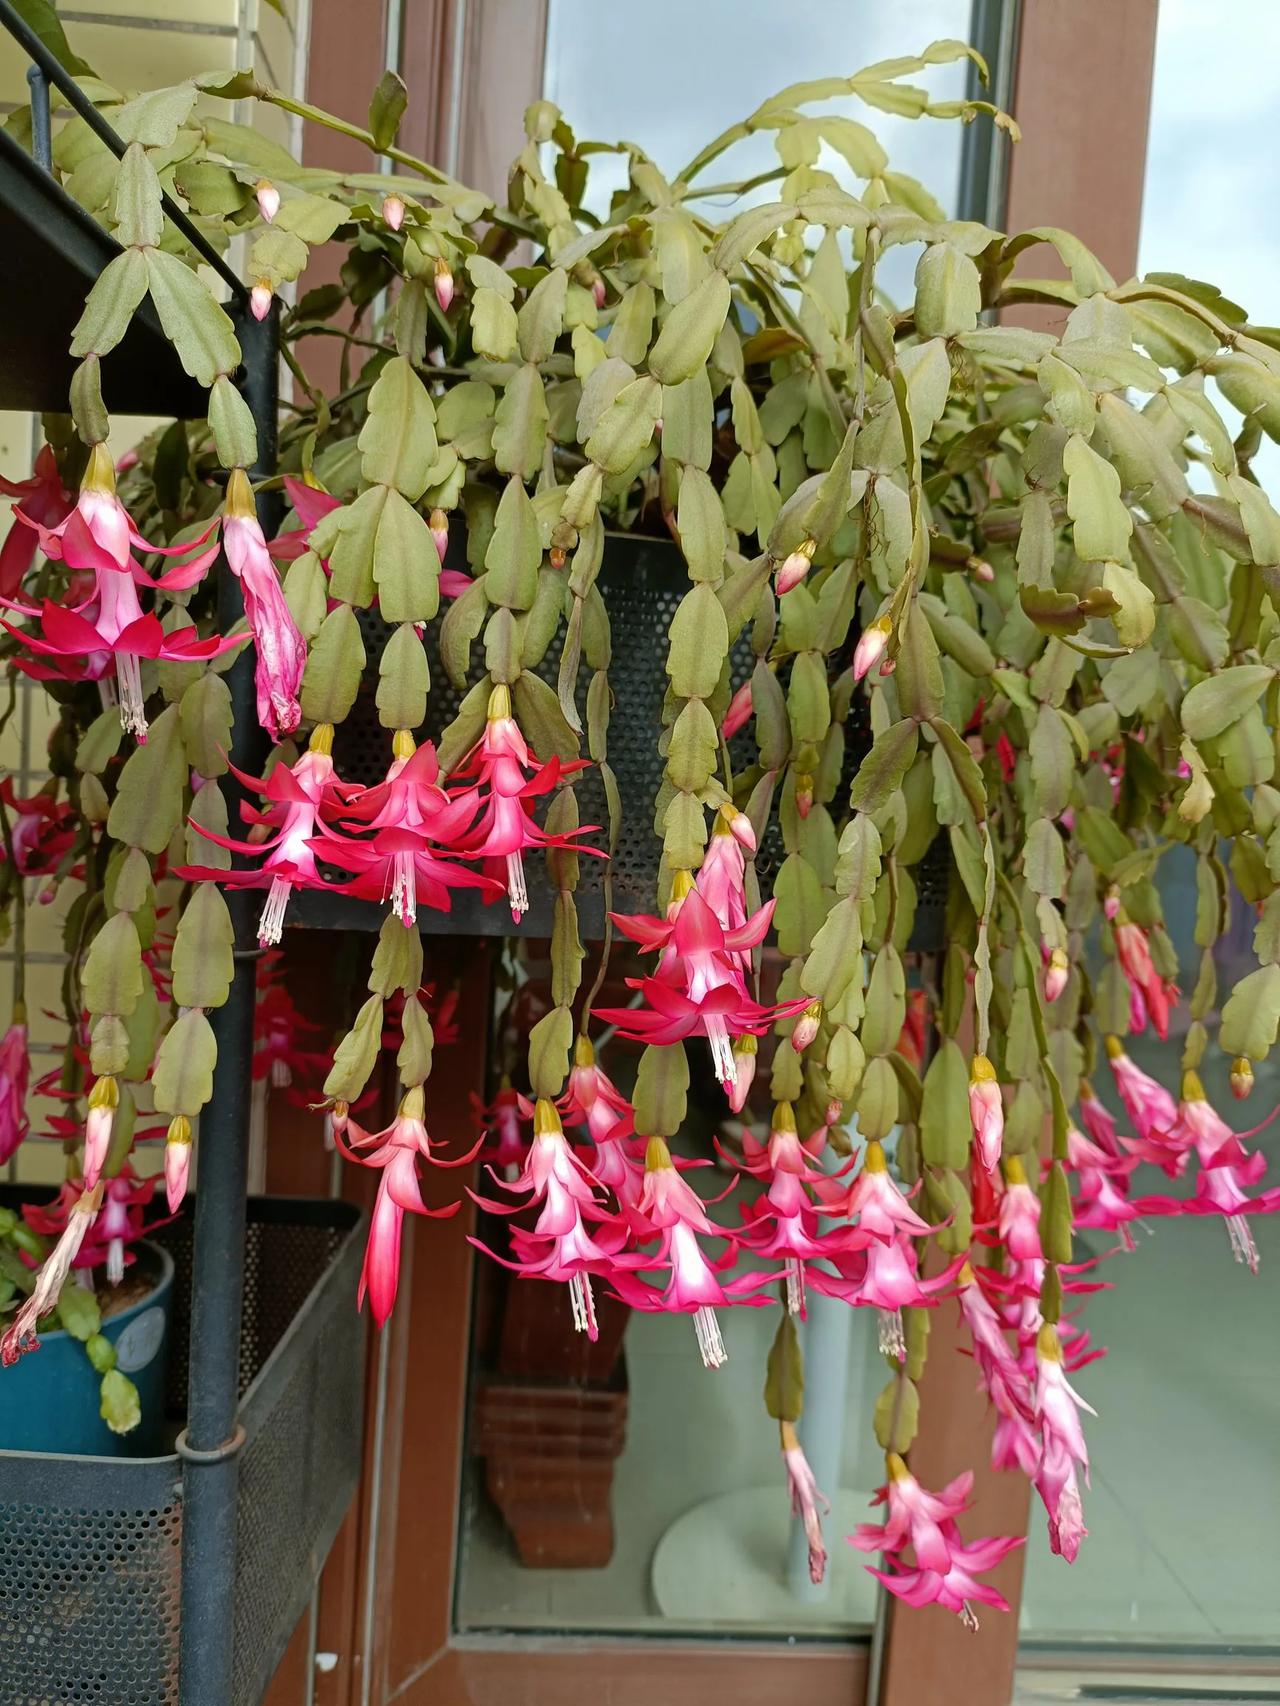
<point x="49" y="1398"/>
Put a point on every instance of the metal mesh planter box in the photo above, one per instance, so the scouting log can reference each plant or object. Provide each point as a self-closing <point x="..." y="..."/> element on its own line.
<point x="89" y="1577"/>
<point x="643" y="581"/>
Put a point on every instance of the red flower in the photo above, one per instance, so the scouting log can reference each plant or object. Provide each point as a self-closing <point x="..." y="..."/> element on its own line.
<point x="46" y="502"/>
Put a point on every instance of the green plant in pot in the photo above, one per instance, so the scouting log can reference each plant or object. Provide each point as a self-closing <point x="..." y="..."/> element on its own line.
<point x="1035" y="564"/>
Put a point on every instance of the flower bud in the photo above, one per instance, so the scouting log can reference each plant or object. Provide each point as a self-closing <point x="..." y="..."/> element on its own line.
<point x="1241" y="1077"/>
<point x="1055" y="978"/>
<point x="739" y="713"/>
<point x="804" y="793"/>
<point x="260" y="300"/>
<point x="104" y="1099"/>
<point x="745" y="1056"/>
<point x="870" y="647"/>
<point x="1111" y="905"/>
<point x="268" y="199"/>
<point x="986" y="1111"/>
<point x="982" y="571"/>
<point x="598" y="290"/>
<point x="444" y="284"/>
<point x="806" y="1027"/>
<point x="438" y="522"/>
<point x="393" y="211"/>
<point x="177" y="1160"/>
<point x="556" y="556"/>
<point x="743" y="830"/>
<point x="795" y="567"/>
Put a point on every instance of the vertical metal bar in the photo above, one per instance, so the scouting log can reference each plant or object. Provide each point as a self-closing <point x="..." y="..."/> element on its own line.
<point x="212" y="1439"/>
<point x="984" y="151"/>
<point x="41" y="131"/>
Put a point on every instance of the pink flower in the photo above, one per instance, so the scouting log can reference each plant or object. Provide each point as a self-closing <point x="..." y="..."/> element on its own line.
<point x="438" y="522"/>
<point x="721" y="878"/>
<point x="396" y="1150"/>
<point x="670" y="1211"/>
<point x="15" y="1072"/>
<point x="805" y="1029"/>
<point x="1056" y="974"/>
<point x="1148" y="1104"/>
<point x="393" y="211"/>
<point x="1097" y="1121"/>
<point x="699" y="987"/>
<point x="559" y="1247"/>
<point x="945" y="1570"/>
<point x="120" y="1221"/>
<point x="1057" y="1410"/>
<point x="268" y="198"/>
<point x="1103" y="1200"/>
<point x="20" y="1334"/>
<point x="443" y="284"/>
<point x="45" y="502"/>
<point x="739" y="713"/>
<point x="871" y="646"/>
<point x="1150" y="991"/>
<point x="805" y="1498"/>
<point x="510" y="777"/>
<point x="1019" y="1223"/>
<point x="592" y="1099"/>
<point x="296" y="795"/>
<point x="986" y="1111"/>
<point x="281" y="649"/>
<point x="783" y="1223"/>
<point x="1002" y="1376"/>
<point x="415" y="826"/>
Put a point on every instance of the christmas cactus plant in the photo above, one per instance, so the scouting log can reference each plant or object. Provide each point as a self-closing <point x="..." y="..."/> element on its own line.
<point x="1036" y="562"/>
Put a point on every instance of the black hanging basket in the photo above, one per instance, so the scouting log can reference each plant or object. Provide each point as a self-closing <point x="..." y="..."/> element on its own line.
<point x="91" y="1565"/>
<point x="642" y="581"/>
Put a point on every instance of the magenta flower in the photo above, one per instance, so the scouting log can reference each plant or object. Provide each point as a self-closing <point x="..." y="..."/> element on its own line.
<point x="1150" y="991"/>
<point x="806" y="1498"/>
<point x="44" y="501"/>
<point x="1148" y="1104"/>
<point x="739" y="713"/>
<point x="396" y="1150"/>
<point x="296" y="795"/>
<point x="1099" y="1124"/>
<point x="15" y="1074"/>
<point x="699" y="987"/>
<point x="1103" y="1200"/>
<point x="1019" y="1221"/>
<point x="945" y="1570"/>
<point x="559" y="1247"/>
<point x="1057" y="1408"/>
<point x="670" y="1211"/>
<point x="510" y="777"/>
<point x="281" y="649"/>
<point x="783" y="1223"/>
<point x="884" y="1276"/>
<point x="794" y="567"/>
<point x="414" y="825"/>
<point x="1003" y="1377"/>
<point x="104" y="1099"/>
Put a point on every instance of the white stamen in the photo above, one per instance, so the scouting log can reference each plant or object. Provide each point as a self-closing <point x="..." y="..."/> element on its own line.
<point x="710" y="1343"/>
<point x="108" y="698"/>
<point x="115" y="1261"/>
<point x="1243" y="1247"/>
<point x="721" y="1048"/>
<point x="795" y="1286"/>
<point x="584" y="1306"/>
<point x="404" y="888"/>
<point x="517" y="893"/>
<point x="967" y="1618"/>
<point x="271" y="924"/>
<point x="133" y="718"/>
<point x="891" y="1338"/>
<point x="281" y="1076"/>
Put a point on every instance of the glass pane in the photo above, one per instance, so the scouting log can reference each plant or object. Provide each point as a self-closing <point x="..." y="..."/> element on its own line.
<point x="630" y="1489"/>
<point x="1183" y="1547"/>
<point x="673" y="75"/>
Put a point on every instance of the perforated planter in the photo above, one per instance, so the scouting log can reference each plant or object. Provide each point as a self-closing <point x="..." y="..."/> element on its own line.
<point x="91" y="1563"/>
<point x="642" y="581"/>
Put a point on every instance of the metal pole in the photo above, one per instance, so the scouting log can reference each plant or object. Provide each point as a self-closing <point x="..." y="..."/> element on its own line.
<point x="211" y="1441"/>
<point x="41" y="133"/>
